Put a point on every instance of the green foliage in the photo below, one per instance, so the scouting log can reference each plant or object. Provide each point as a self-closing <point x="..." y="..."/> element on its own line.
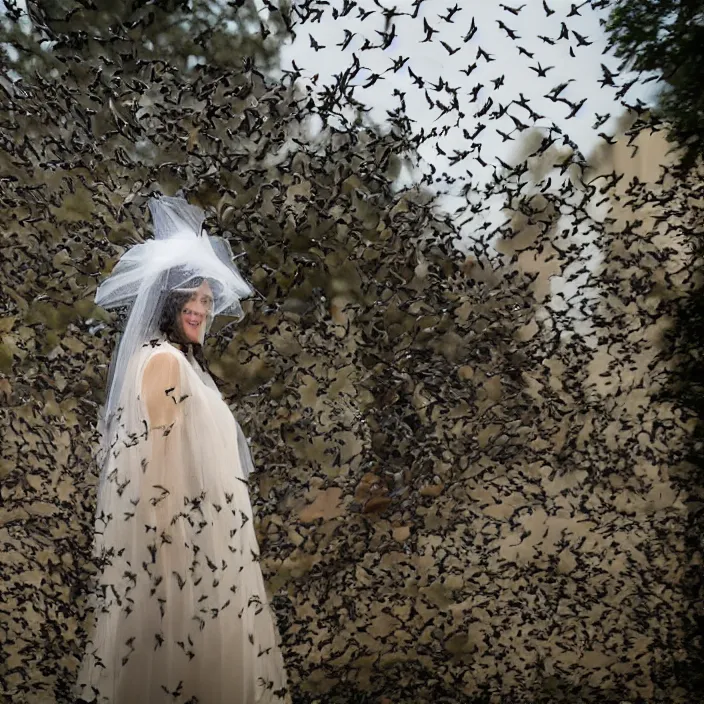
<point x="667" y="36"/>
<point x="179" y="32"/>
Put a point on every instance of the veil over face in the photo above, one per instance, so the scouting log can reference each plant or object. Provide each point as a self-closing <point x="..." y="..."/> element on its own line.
<point x="149" y="276"/>
<point x="188" y="313"/>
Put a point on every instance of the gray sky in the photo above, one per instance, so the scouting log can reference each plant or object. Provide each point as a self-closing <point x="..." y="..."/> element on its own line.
<point x="433" y="62"/>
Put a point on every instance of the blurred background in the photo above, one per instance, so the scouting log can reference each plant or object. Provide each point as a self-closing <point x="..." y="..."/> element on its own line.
<point x="471" y="376"/>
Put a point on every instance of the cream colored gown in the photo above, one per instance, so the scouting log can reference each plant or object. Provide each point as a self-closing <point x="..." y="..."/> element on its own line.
<point x="181" y="612"/>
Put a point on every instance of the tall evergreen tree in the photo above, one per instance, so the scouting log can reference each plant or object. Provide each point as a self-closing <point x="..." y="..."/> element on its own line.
<point x="665" y="37"/>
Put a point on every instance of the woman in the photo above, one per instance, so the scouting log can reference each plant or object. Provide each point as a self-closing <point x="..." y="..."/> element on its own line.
<point x="180" y="605"/>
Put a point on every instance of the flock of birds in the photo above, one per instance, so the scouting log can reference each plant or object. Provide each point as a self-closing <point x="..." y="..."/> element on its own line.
<point x="462" y="385"/>
<point x="466" y="83"/>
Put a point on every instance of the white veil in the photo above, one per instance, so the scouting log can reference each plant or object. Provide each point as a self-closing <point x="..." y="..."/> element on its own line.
<point x="174" y="541"/>
<point x="147" y="273"/>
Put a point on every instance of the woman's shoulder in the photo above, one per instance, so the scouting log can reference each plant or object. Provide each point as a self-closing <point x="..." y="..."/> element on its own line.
<point x="160" y="352"/>
<point x="160" y="368"/>
<point x="159" y="345"/>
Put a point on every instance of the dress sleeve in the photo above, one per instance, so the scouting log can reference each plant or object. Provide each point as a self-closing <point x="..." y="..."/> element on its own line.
<point x="184" y="434"/>
<point x="162" y="391"/>
<point x="176" y="450"/>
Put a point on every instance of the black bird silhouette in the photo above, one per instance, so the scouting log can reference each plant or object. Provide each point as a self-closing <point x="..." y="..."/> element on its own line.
<point x="482" y="54"/>
<point x="387" y="37"/>
<point x="600" y="120"/>
<point x="520" y="126"/>
<point x="472" y="31"/>
<point x="575" y="107"/>
<point x="504" y="137"/>
<point x="450" y="50"/>
<point x="542" y="72"/>
<point x="451" y="12"/>
<point x="347" y="6"/>
<point x="398" y="64"/>
<point x="416" y="8"/>
<point x="346" y="41"/>
<point x="581" y="40"/>
<point x="607" y="77"/>
<point x="512" y="34"/>
<point x="429" y="31"/>
<point x="621" y="92"/>
<point x="475" y="91"/>
<point x="512" y="10"/>
<point x="314" y="44"/>
<point x="416" y="79"/>
<point x="372" y="79"/>
<point x="574" y="9"/>
<point x="555" y="92"/>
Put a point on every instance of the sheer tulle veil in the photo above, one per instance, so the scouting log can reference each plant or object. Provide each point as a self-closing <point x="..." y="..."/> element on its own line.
<point x="180" y="253"/>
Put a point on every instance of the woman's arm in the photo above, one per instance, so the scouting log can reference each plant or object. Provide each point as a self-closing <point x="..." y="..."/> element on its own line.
<point x="161" y="390"/>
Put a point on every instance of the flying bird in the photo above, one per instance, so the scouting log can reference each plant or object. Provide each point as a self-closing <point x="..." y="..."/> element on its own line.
<point x="512" y="10"/>
<point x="540" y="71"/>
<point x="314" y="44"/>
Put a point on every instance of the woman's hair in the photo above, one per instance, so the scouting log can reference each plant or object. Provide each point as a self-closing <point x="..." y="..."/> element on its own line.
<point x="169" y="320"/>
<point x="170" y="311"/>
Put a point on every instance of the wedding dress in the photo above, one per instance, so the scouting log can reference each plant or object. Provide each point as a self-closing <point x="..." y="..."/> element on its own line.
<point x="180" y="610"/>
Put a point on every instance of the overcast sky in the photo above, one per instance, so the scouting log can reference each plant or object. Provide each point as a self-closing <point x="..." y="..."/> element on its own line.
<point x="432" y="62"/>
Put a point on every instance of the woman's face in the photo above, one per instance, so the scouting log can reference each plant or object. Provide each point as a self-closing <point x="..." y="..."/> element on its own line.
<point x="194" y="313"/>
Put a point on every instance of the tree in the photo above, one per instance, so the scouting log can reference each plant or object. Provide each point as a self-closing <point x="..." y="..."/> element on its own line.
<point x="180" y="32"/>
<point x="666" y="36"/>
